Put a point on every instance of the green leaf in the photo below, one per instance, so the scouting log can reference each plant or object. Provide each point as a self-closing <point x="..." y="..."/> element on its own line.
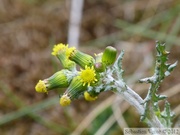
<point x="162" y="70"/>
<point x="167" y="115"/>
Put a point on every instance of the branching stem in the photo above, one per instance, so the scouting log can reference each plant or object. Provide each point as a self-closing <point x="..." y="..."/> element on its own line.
<point x="135" y="100"/>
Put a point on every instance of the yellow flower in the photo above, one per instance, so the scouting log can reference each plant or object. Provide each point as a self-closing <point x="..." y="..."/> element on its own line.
<point x="88" y="75"/>
<point x="65" y="100"/>
<point x="69" y="51"/>
<point x="41" y="87"/>
<point x="59" y="47"/>
<point x="88" y="97"/>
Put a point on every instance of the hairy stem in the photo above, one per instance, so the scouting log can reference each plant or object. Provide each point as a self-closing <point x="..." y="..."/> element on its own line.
<point x="135" y="100"/>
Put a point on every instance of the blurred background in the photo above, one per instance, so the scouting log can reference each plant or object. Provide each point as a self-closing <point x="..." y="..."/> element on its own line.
<point x="30" y="28"/>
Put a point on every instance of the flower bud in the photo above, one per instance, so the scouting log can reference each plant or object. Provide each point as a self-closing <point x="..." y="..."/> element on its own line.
<point x="75" y="88"/>
<point x="80" y="58"/>
<point x="65" y="100"/>
<point x="99" y="67"/>
<point x="89" y="97"/>
<point x="109" y="55"/>
<point x="60" y="79"/>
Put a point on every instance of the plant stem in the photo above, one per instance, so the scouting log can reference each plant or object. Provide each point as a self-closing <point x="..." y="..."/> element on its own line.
<point x="135" y="100"/>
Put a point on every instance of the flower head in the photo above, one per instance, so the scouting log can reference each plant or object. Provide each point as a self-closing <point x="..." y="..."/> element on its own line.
<point x="60" y="79"/>
<point x="79" y="57"/>
<point x="58" y="48"/>
<point x="88" y="75"/>
<point x="41" y="87"/>
<point x="65" y="100"/>
<point x="88" y="97"/>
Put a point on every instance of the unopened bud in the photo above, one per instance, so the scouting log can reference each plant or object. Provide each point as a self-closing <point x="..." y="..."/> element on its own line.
<point x="99" y="67"/>
<point x="80" y="58"/>
<point x="109" y="55"/>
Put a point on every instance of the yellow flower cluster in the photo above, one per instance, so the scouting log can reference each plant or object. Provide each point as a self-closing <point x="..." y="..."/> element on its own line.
<point x="77" y="81"/>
